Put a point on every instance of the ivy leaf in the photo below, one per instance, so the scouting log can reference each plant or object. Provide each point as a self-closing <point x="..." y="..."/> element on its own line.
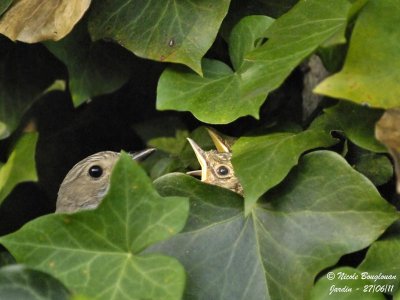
<point x="261" y="162"/>
<point x="20" y="166"/>
<point x="97" y="253"/>
<point x="6" y="259"/>
<point x="4" y="5"/>
<point x="205" y="97"/>
<point x="18" y="282"/>
<point x="172" y="145"/>
<point x="350" y="288"/>
<point x="33" y="21"/>
<point x="222" y="95"/>
<point x="356" y="121"/>
<point x="240" y="9"/>
<point x="382" y="258"/>
<point x="375" y="40"/>
<point x="321" y="211"/>
<point x="245" y="35"/>
<point x="376" y="167"/>
<point x="94" y="68"/>
<point x="179" y="31"/>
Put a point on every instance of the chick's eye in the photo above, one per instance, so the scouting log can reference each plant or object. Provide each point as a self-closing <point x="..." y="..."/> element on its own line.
<point x="222" y="170"/>
<point x="95" y="171"/>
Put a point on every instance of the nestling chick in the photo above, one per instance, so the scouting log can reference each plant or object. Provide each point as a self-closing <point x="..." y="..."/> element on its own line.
<point x="87" y="182"/>
<point x="216" y="165"/>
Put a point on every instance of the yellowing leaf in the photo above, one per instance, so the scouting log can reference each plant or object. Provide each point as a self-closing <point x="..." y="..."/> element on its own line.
<point x="32" y="21"/>
<point x="387" y="130"/>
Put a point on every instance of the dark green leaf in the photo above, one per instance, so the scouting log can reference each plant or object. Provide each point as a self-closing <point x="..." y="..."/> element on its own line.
<point x="176" y="31"/>
<point x="245" y="36"/>
<point x="376" y="167"/>
<point x="6" y="259"/>
<point x="262" y="162"/>
<point x="396" y="296"/>
<point x="222" y="95"/>
<point x="94" y="68"/>
<point x="356" y="121"/>
<point x="97" y="253"/>
<point x="172" y="145"/>
<point x="4" y="5"/>
<point x="371" y="71"/>
<point x="164" y="166"/>
<point x="240" y="9"/>
<point x="383" y="258"/>
<point x="339" y="288"/>
<point x="20" y="166"/>
<point x="321" y="211"/>
<point x="20" y="283"/>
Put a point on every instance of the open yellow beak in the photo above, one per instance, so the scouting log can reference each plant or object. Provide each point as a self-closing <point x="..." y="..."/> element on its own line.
<point x="200" y="154"/>
<point x="219" y="142"/>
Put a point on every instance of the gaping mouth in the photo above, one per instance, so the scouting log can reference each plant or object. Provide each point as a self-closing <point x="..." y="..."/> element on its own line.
<point x="221" y="146"/>
<point x="202" y="161"/>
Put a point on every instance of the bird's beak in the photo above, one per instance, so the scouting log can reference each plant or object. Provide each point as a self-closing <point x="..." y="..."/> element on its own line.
<point x="200" y="154"/>
<point x="218" y="141"/>
<point x="140" y="155"/>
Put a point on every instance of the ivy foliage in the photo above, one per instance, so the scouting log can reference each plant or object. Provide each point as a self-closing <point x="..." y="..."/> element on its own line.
<point x="319" y="194"/>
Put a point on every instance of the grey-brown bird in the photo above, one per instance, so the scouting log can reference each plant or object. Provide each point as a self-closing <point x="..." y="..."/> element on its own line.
<point x="88" y="181"/>
<point x="216" y="165"/>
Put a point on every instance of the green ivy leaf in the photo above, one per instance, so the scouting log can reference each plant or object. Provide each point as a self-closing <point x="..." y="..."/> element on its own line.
<point x="172" y="145"/>
<point x="351" y="289"/>
<point x="245" y="35"/>
<point x="20" y="166"/>
<point x="371" y="71"/>
<point x="179" y="31"/>
<point x="6" y="259"/>
<point x="94" y="68"/>
<point x="25" y="73"/>
<point x="261" y="162"/>
<point x="205" y="97"/>
<point x="376" y="167"/>
<point x="383" y="257"/>
<point x="18" y="282"/>
<point x="356" y="121"/>
<point x="240" y="9"/>
<point x="322" y="210"/>
<point x="223" y="95"/>
<point x="97" y="253"/>
<point x="396" y="296"/>
<point x="4" y="5"/>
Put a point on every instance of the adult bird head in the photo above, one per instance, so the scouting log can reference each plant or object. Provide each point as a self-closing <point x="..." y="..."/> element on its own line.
<point x="216" y="165"/>
<point x="88" y="181"/>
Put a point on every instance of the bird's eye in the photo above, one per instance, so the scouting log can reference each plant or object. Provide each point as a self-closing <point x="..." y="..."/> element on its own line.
<point x="95" y="171"/>
<point x="222" y="171"/>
